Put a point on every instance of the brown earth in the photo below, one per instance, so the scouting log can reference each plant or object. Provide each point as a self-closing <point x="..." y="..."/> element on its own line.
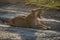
<point x="50" y="17"/>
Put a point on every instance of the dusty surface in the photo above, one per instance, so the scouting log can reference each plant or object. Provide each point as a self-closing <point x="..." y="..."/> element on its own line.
<point x="27" y="34"/>
<point x="14" y="33"/>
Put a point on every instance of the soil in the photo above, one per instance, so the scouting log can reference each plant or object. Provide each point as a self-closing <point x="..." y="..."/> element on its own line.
<point x="9" y="11"/>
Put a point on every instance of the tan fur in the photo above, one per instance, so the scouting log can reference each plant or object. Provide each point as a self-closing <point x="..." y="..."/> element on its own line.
<point x="30" y="21"/>
<point x="19" y="21"/>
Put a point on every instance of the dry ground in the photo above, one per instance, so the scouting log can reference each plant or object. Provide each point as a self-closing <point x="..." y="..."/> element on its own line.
<point x="14" y="33"/>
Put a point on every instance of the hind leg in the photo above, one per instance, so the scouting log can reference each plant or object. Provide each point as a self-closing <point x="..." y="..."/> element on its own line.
<point x="19" y="21"/>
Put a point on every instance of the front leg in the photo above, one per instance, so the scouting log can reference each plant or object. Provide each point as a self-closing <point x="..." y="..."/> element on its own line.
<point x="42" y="25"/>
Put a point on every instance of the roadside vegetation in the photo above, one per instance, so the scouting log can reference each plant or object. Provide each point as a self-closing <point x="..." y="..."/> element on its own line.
<point x="45" y="3"/>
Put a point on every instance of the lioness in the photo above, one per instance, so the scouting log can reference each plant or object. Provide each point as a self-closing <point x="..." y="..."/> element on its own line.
<point x="31" y="21"/>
